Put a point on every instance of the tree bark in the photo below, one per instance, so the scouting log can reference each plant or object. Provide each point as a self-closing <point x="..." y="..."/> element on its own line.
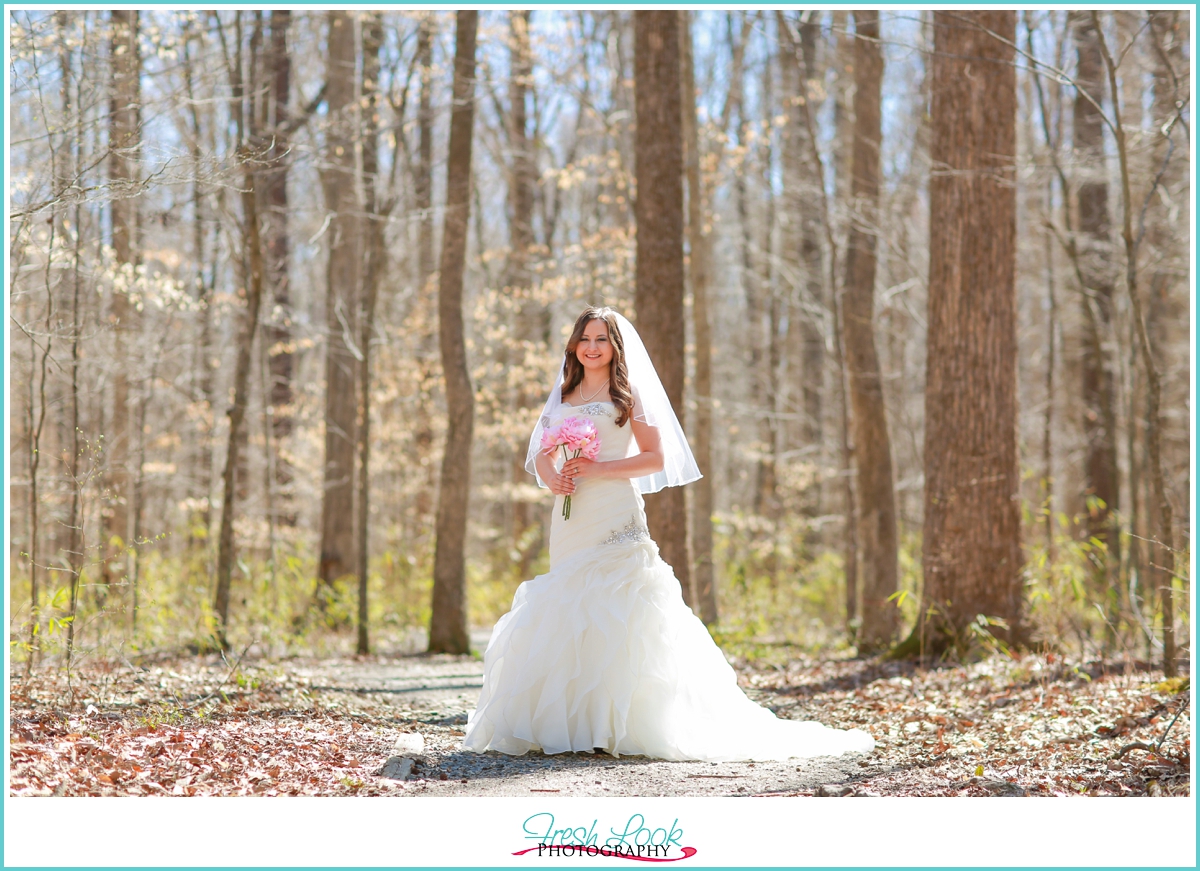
<point x="372" y="42"/>
<point x="843" y="106"/>
<point x="971" y="550"/>
<point x="699" y="262"/>
<point x="877" y="543"/>
<point x="658" y="154"/>
<point x="124" y="140"/>
<point x="278" y="332"/>
<point x="1095" y="259"/>
<point x="448" y="621"/>
<point x="342" y="291"/>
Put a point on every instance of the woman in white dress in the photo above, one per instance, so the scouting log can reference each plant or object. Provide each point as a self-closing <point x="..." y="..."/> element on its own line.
<point x="601" y="653"/>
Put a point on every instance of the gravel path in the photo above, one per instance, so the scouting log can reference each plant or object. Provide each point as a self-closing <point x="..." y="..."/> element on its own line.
<point x="431" y="695"/>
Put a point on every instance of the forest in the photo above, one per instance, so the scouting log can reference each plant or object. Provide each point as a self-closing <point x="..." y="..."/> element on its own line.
<point x="287" y="289"/>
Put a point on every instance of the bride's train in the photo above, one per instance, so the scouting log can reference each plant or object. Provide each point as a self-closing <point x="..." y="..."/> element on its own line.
<point x="601" y="652"/>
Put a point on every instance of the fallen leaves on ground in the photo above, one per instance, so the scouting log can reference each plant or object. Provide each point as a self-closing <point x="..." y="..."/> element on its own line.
<point x="1033" y="725"/>
<point x="194" y="726"/>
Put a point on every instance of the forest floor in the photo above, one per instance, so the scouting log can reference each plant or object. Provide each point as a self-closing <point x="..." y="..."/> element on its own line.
<point x="188" y="725"/>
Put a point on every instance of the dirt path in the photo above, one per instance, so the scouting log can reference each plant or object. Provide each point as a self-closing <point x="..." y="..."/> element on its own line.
<point x="196" y="726"/>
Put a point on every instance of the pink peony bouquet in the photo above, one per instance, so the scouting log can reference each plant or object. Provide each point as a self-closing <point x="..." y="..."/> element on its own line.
<point x="576" y="434"/>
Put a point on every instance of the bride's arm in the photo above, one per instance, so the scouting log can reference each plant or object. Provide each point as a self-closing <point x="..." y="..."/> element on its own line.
<point x="647" y="462"/>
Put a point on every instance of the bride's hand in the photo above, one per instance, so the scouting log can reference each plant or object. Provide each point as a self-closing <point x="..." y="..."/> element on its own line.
<point x="561" y="485"/>
<point x="581" y="467"/>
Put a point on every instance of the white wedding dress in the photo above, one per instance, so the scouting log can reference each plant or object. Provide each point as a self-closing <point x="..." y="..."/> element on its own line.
<point x="602" y="652"/>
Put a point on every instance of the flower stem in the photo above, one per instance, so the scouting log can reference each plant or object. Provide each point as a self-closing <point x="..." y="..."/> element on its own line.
<point x="567" y="499"/>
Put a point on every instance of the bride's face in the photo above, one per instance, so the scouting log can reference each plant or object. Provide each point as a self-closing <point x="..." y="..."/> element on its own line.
<point x="594" y="350"/>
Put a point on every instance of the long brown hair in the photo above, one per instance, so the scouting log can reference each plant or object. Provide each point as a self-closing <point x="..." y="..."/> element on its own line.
<point x="618" y="375"/>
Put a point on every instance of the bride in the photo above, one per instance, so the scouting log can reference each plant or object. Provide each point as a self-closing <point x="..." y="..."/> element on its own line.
<point x="601" y="653"/>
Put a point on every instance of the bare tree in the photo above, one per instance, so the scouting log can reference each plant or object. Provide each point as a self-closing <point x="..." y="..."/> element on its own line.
<point x="423" y="204"/>
<point x="204" y="286"/>
<point x="124" y="148"/>
<point x="872" y="447"/>
<point x="448" y="619"/>
<point x="423" y="177"/>
<point x="372" y="42"/>
<point x="278" y="332"/>
<point x="800" y="247"/>
<point x="343" y="278"/>
<point x="252" y="242"/>
<point x="1095" y="256"/>
<point x="844" y="131"/>
<point x="699" y="272"/>
<point x="749" y="275"/>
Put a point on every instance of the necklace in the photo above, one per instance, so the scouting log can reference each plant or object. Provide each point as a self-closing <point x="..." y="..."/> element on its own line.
<point x="594" y="395"/>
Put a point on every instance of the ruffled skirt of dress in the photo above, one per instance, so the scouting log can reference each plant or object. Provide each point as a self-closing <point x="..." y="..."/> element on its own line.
<point x="601" y="652"/>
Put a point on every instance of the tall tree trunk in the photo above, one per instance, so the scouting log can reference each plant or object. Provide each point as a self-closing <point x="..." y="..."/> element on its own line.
<point x="278" y="332"/>
<point x="658" y="150"/>
<point x="372" y="42"/>
<point x="63" y="162"/>
<point x="341" y="303"/>
<point x="38" y="371"/>
<point x="423" y="181"/>
<point x="801" y="249"/>
<point x="1168" y="158"/>
<point x="75" y="538"/>
<point x="971" y="550"/>
<point x="522" y="177"/>
<point x="699" y="262"/>
<point x="878" y="555"/>
<point x="843" y="114"/>
<point x="755" y="339"/>
<point x="423" y="200"/>
<point x="812" y="339"/>
<point x="124" y="141"/>
<point x="252" y="243"/>
<point x="1095" y="261"/>
<point x="448" y="620"/>
<point x="843" y="106"/>
<point x="1125" y="355"/>
<point x="203" y="376"/>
